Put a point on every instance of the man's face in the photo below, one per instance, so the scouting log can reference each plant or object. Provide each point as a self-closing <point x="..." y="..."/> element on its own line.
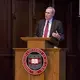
<point x="49" y="14"/>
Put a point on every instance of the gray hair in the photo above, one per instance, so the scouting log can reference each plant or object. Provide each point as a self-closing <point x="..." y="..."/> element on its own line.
<point x="53" y="10"/>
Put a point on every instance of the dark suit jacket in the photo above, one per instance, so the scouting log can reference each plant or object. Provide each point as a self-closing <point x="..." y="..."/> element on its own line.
<point x="56" y="26"/>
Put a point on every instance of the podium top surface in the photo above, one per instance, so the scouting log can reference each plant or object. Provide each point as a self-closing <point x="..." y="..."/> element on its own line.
<point x="34" y="38"/>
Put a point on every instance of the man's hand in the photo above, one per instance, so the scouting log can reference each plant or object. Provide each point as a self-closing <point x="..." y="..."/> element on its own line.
<point x="56" y="35"/>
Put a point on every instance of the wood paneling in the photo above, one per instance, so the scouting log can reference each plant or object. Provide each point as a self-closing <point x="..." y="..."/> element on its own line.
<point x="21" y="23"/>
<point x="5" y="26"/>
<point x="6" y="67"/>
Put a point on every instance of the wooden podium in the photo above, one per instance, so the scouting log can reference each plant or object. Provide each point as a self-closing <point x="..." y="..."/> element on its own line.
<point x="56" y="69"/>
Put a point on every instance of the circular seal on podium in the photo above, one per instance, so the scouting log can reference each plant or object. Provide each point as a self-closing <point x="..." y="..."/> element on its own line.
<point x="34" y="61"/>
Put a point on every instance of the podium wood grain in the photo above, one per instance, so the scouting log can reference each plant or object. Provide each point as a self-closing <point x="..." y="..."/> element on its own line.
<point x="56" y="69"/>
<point x="20" y="73"/>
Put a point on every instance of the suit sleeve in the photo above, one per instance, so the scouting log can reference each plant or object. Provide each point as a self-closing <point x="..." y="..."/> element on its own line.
<point x="37" y="30"/>
<point x="60" y="30"/>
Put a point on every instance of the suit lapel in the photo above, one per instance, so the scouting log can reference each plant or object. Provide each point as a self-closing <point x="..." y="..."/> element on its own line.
<point x="53" y="27"/>
<point x="42" y="28"/>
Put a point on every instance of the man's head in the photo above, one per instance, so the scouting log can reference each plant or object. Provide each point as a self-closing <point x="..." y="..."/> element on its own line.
<point x="49" y="13"/>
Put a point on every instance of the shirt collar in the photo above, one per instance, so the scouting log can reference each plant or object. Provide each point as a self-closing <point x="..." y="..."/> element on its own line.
<point x="50" y="20"/>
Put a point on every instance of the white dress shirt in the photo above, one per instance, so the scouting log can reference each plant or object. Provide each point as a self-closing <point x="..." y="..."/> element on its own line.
<point x="49" y="28"/>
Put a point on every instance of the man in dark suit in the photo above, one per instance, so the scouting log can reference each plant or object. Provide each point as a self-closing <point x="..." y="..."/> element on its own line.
<point x="55" y="28"/>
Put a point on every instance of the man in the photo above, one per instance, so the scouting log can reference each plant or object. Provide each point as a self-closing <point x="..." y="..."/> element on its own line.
<point x="54" y="29"/>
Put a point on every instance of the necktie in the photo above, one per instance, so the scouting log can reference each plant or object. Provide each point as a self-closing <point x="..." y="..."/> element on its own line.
<point x="46" y="29"/>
